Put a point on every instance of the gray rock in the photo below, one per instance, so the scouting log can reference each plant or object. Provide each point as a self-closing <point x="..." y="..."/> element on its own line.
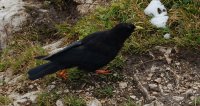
<point x="123" y="85"/>
<point x="158" y="80"/>
<point x="94" y="102"/>
<point x="178" y="98"/>
<point x="155" y="103"/>
<point x="59" y="103"/>
<point x="153" y="86"/>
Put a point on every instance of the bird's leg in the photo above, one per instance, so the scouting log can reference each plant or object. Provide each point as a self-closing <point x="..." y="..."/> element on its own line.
<point x="62" y="74"/>
<point x="103" y="72"/>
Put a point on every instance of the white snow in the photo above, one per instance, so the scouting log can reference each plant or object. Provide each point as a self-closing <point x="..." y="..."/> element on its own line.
<point x="12" y="15"/>
<point x="159" y="13"/>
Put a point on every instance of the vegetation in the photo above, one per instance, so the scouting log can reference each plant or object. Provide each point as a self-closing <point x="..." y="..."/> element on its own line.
<point x="183" y="25"/>
<point x="4" y="100"/>
<point x="103" y="92"/>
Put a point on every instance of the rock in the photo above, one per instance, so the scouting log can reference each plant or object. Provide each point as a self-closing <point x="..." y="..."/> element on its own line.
<point x="169" y="86"/>
<point x="155" y="103"/>
<point x="14" y="81"/>
<point x="50" y="87"/>
<point x="133" y="97"/>
<point x="167" y="36"/>
<point x="123" y="85"/>
<point x="178" y="98"/>
<point x="188" y="93"/>
<point x="54" y="47"/>
<point x="59" y="103"/>
<point x="66" y="91"/>
<point x="12" y="17"/>
<point x="20" y="99"/>
<point x="94" y="102"/>
<point x="158" y="80"/>
<point x="153" y="86"/>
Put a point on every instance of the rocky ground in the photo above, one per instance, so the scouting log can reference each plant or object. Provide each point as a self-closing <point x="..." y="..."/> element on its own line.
<point x="163" y="77"/>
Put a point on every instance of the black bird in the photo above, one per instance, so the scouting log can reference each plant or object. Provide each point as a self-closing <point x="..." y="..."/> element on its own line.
<point x="91" y="53"/>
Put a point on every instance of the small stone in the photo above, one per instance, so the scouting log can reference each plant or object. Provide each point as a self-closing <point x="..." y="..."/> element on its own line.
<point x="59" y="103"/>
<point x="154" y="93"/>
<point x="169" y="86"/>
<point x="94" y="102"/>
<point x="178" y="98"/>
<point x="192" y="97"/>
<point x="188" y="93"/>
<point x="153" y="86"/>
<point x="59" y="92"/>
<point x="167" y="36"/>
<point x="66" y="91"/>
<point x="30" y="86"/>
<point x="158" y="80"/>
<point x="50" y="87"/>
<point x="133" y="97"/>
<point x="123" y="85"/>
<point x="155" y="103"/>
<point x="178" y="64"/>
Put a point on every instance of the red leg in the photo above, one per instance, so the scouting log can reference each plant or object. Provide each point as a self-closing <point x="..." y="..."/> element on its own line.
<point x="62" y="74"/>
<point x="103" y="71"/>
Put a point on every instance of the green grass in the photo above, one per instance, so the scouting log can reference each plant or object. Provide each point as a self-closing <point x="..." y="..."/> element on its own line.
<point x="106" y="91"/>
<point x="4" y="100"/>
<point x="196" y="101"/>
<point x="129" y="102"/>
<point x="70" y="100"/>
<point x="183" y="25"/>
<point x="47" y="99"/>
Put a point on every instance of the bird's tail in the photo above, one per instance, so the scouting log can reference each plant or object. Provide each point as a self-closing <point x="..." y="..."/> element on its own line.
<point x="43" y="70"/>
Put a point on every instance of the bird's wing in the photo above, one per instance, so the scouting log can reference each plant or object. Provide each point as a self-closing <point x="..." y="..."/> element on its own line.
<point x="67" y="48"/>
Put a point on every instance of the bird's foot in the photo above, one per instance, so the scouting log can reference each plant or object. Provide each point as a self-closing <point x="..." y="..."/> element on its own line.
<point x="103" y="72"/>
<point x="62" y="74"/>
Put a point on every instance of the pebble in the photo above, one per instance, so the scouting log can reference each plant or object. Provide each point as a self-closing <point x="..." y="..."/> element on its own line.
<point x="169" y="86"/>
<point x="50" y="87"/>
<point x="167" y="36"/>
<point x="178" y="98"/>
<point x="94" y="102"/>
<point x="133" y="97"/>
<point x="153" y="86"/>
<point x="59" y="103"/>
<point x="123" y="85"/>
<point x="158" y="80"/>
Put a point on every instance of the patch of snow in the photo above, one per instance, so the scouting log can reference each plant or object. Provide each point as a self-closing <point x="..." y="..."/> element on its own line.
<point x="159" y="21"/>
<point x="159" y="13"/>
<point x="12" y="15"/>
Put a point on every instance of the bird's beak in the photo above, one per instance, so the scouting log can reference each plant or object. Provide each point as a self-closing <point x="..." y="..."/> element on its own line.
<point x="138" y="28"/>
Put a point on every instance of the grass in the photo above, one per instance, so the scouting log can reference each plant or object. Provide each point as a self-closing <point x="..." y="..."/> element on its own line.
<point x="129" y="102"/>
<point x="4" y="100"/>
<point x="47" y="99"/>
<point x="50" y="98"/>
<point x="70" y="100"/>
<point x="183" y="25"/>
<point x="106" y="91"/>
<point x="196" y="101"/>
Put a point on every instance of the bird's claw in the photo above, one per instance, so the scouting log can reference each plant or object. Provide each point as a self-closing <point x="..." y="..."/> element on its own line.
<point x="103" y="72"/>
<point x="62" y="74"/>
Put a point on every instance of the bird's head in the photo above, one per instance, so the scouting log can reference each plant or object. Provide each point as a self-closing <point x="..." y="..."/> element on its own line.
<point x="124" y="29"/>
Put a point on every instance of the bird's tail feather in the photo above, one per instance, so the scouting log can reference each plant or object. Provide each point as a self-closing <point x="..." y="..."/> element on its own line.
<point x="43" y="70"/>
